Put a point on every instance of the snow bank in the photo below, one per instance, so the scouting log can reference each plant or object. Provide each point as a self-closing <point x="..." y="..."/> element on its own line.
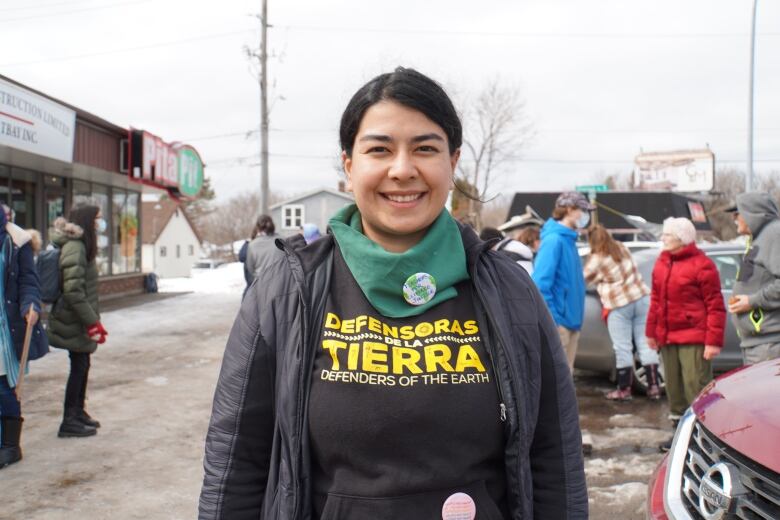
<point x="225" y="279"/>
<point x="633" y="465"/>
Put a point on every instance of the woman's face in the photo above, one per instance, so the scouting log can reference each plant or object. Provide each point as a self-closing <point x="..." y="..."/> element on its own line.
<point x="400" y="172"/>
<point x="671" y="242"/>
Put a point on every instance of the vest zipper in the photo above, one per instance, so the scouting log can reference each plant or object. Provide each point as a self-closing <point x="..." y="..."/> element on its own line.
<point x="502" y="413"/>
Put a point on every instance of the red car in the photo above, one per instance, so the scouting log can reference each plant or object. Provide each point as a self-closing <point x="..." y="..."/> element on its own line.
<point x="725" y="459"/>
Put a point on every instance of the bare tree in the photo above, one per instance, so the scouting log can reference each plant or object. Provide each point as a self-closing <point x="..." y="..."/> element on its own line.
<point x="234" y="219"/>
<point x="616" y="180"/>
<point x="496" y="128"/>
<point x="495" y="212"/>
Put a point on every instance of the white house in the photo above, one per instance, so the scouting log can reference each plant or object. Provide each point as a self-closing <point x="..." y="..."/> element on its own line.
<point x="170" y="240"/>
<point x="316" y="207"/>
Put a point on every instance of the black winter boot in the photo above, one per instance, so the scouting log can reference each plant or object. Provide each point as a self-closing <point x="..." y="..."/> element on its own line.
<point x="72" y="426"/>
<point x="85" y="418"/>
<point x="10" y="452"/>
<point x="653" y="383"/>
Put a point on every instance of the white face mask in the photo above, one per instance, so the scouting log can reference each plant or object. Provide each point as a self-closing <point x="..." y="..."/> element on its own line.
<point x="100" y="225"/>
<point x="584" y="220"/>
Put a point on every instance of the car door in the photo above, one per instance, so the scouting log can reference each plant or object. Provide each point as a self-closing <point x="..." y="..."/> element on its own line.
<point x="728" y="263"/>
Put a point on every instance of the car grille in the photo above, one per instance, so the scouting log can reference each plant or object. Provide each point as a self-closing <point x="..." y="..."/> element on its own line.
<point x="762" y="501"/>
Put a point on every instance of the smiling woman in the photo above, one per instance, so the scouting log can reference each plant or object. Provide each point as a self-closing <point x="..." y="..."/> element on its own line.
<point x="397" y="367"/>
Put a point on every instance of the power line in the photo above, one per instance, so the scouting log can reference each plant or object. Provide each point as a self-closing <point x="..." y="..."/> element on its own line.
<point x="83" y="9"/>
<point x="128" y="49"/>
<point x="314" y="28"/>
<point x="41" y="6"/>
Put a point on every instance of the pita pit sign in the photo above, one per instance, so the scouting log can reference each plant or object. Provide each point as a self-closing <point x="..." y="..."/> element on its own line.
<point x="174" y="167"/>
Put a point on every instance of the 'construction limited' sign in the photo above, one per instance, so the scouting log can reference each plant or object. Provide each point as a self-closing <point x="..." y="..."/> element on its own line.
<point x="32" y="123"/>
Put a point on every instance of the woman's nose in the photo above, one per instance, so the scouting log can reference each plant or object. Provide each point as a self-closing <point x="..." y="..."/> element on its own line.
<point x="403" y="167"/>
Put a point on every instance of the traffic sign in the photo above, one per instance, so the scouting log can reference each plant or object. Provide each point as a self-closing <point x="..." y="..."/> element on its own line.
<point x="592" y="187"/>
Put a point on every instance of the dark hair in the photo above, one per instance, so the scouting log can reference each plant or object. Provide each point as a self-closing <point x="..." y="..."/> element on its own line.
<point x="410" y="89"/>
<point x="490" y="233"/>
<point x="264" y="224"/>
<point x="84" y="217"/>
<point x="528" y="235"/>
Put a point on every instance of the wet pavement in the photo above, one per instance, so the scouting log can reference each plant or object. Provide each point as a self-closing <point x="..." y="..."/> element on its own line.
<point x="152" y="386"/>
<point x="625" y="438"/>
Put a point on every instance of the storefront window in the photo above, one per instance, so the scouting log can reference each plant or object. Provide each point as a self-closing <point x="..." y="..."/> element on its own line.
<point x="82" y="194"/>
<point x="5" y="176"/>
<point x="132" y="233"/>
<point x="124" y="231"/>
<point x="23" y="203"/>
<point x="54" y="195"/>
<point x="100" y="199"/>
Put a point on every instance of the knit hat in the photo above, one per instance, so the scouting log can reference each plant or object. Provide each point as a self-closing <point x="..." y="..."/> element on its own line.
<point x="682" y="228"/>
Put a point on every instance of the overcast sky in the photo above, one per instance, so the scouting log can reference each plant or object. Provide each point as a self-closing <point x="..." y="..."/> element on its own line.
<point x="601" y="79"/>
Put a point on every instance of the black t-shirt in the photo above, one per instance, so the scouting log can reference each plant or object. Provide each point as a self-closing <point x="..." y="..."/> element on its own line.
<point x="403" y="412"/>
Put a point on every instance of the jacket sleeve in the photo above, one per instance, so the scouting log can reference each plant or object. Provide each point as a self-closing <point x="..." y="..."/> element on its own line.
<point x="591" y="271"/>
<point x="709" y="282"/>
<point x="556" y="460"/>
<point x="768" y="297"/>
<point x="240" y="434"/>
<point x="29" y="284"/>
<point x="652" y="312"/>
<point x="73" y="263"/>
<point x="545" y="267"/>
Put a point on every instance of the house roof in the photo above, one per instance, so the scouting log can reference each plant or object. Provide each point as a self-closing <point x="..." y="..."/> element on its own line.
<point x="156" y="215"/>
<point x="345" y="196"/>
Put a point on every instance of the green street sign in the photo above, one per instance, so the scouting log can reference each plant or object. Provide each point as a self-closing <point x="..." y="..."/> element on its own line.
<point x="190" y="172"/>
<point x="592" y="187"/>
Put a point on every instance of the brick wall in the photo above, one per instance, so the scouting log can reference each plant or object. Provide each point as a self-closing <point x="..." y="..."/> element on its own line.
<point x="120" y="286"/>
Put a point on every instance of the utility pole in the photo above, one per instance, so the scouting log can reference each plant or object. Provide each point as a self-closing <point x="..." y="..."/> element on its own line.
<point x="749" y="173"/>
<point x="264" y="110"/>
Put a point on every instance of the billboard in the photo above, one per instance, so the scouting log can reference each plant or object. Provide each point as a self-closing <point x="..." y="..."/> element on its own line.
<point x="32" y="123"/>
<point x="682" y="170"/>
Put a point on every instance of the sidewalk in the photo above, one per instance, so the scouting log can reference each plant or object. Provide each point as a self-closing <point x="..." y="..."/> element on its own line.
<point x="151" y="387"/>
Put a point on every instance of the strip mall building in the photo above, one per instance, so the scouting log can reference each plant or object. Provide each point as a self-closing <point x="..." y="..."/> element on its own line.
<point x="54" y="156"/>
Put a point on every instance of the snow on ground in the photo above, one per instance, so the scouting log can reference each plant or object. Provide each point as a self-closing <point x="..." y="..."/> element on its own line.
<point x="634" y="466"/>
<point x="225" y="279"/>
<point x="619" y="493"/>
<point x="616" y="437"/>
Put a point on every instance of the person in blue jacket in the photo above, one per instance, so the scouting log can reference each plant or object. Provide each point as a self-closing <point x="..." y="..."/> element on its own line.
<point x="558" y="270"/>
<point x="20" y="290"/>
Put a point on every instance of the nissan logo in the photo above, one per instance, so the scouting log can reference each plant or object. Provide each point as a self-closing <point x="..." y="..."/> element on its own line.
<point x="719" y="492"/>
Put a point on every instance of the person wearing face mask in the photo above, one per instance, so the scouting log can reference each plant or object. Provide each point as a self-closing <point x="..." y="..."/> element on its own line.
<point x="74" y="322"/>
<point x="687" y="316"/>
<point x="558" y="270"/>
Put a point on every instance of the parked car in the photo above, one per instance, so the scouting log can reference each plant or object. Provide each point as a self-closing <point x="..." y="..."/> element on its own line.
<point x="725" y="459"/>
<point x="207" y="263"/>
<point x="595" y="349"/>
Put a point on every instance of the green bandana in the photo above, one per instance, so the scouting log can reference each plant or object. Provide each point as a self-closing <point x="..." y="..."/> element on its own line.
<point x="438" y="261"/>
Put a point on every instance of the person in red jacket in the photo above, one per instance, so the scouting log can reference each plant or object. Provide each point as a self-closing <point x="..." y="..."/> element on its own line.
<point x="687" y="316"/>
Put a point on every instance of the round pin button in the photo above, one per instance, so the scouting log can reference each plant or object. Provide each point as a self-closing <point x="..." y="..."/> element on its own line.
<point x="459" y="506"/>
<point x="419" y="289"/>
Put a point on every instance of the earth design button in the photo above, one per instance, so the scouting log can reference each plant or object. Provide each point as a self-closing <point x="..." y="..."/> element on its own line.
<point x="419" y="289"/>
